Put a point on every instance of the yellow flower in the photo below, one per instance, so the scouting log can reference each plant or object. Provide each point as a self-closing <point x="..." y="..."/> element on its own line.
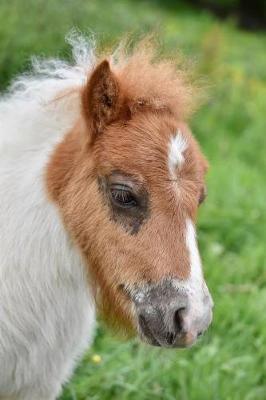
<point x="96" y="358"/>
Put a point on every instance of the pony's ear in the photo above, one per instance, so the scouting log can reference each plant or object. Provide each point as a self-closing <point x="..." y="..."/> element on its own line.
<point x="101" y="98"/>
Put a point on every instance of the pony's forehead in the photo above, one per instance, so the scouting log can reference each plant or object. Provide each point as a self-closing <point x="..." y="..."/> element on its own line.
<point x="150" y="146"/>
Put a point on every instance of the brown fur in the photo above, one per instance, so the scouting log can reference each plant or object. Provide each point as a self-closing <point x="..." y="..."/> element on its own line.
<point x="129" y="112"/>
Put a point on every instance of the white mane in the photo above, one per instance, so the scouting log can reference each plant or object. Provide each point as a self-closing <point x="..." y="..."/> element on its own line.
<point x="52" y="75"/>
<point x="27" y="108"/>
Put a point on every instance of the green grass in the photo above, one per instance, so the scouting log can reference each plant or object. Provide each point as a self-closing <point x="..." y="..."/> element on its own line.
<point x="230" y="361"/>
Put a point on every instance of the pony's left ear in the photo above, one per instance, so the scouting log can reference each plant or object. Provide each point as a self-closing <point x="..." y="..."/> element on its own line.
<point x="101" y="98"/>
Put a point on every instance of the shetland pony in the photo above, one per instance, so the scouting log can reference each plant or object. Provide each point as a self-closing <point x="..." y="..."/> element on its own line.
<point x="100" y="183"/>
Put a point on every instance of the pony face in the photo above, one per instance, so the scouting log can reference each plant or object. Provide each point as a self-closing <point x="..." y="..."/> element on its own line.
<point x="130" y="200"/>
<point x="150" y="176"/>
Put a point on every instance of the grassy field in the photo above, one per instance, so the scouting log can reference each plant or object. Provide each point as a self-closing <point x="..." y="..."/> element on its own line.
<point x="230" y="361"/>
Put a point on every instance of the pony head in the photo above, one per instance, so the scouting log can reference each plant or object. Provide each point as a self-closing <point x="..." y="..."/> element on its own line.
<point x="128" y="180"/>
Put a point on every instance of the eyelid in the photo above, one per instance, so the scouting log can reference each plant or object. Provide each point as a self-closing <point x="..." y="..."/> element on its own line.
<point x="120" y="186"/>
<point x="130" y="181"/>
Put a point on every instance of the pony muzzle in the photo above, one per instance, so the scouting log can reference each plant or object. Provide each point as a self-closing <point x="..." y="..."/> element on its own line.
<point x="168" y="317"/>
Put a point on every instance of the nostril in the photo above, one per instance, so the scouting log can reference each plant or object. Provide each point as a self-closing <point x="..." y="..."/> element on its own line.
<point x="178" y="319"/>
<point x="170" y="338"/>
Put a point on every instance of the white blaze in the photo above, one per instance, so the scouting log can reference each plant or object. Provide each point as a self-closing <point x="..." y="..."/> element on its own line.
<point x="194" y="257"/>
<point x="198" y="313"/>
<point x="177" y="146"/>
<point x="200" y="303"/>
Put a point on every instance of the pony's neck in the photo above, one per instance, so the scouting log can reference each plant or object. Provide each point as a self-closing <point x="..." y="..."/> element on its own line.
<point x="30" y="221"/>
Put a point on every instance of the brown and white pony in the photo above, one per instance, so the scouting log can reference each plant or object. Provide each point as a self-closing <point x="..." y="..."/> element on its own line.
<point x="100" y="183"/>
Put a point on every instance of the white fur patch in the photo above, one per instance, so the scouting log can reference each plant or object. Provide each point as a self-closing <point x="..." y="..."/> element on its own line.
<point x="200" y="303"/>
<point x="199" y="315"/>
<point x="47" y="311"/>
<point x="177" y="146"/>
<point x="195" y="262"/>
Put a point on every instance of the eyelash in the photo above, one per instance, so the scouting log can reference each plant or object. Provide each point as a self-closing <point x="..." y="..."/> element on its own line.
<point x="122" y="197"/>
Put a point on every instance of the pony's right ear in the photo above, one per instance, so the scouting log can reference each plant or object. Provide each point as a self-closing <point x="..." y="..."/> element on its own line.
<point x="101" y="98"/>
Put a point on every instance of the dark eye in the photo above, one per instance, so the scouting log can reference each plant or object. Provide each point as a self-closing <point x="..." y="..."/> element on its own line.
<point x="122" y="196"/>
<point x="203" y="195"/>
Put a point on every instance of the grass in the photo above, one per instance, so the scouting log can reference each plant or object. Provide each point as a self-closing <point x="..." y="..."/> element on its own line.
<point x="230" y="361"/>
